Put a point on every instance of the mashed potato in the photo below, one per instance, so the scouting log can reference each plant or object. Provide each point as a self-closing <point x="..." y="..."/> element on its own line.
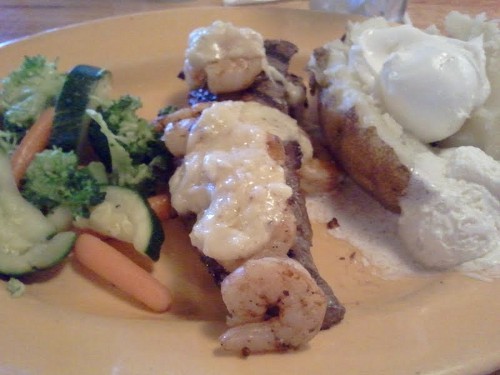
<point x="416" y="88"/>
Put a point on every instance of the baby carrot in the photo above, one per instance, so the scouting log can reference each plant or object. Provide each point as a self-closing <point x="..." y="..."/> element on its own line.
<point x="35" y="140"/>
<point x="113" y="266"/>
<point x="160" y="204"/>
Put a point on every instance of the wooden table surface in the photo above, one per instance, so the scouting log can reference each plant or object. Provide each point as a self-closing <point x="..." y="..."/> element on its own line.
<point x="19" y="18"/>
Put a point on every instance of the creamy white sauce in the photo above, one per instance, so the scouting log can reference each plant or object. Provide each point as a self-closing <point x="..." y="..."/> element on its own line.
<point x="229" y="180"/>
<point x="222" y="40"/>
<point x="294" y="94"/>
<point x="241" y="55"/>
<point x="368" y="226"/>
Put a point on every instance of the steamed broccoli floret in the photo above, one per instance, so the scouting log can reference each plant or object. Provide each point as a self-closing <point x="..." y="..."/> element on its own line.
<point x="8" y="141"/>
<point x="135" y="134"/>
<point x="137" y="156"/>
<point x="54" y="179"/>
<point x="27" y="91"/>
<point x="123" y="170"/>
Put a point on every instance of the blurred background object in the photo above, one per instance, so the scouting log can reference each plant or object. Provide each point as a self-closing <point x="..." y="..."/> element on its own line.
<point x="393" y="10"/>
<point x="20" y="18"/>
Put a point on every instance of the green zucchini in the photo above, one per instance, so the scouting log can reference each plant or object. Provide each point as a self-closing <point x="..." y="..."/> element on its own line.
<point x="28" y="240"/>
<point x="85" y="87"/>
<point x="42" y="255"/>
<point x="100" y="145"/>
<point x="126" y="215"/>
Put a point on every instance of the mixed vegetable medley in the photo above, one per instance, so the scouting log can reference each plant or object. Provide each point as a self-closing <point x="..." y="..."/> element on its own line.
<point x="74" y="160"/>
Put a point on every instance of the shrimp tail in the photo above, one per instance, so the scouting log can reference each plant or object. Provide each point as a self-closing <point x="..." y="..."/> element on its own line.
<point x="254" y="337"/>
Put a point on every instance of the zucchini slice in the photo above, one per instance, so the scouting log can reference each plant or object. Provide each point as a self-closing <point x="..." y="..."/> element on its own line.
<point x="126" y="215"/>
<point x="27" y="238"/>
<point x="40" y="256"/>
<point x="100" y="145"/>
<point x="85" y="87"/>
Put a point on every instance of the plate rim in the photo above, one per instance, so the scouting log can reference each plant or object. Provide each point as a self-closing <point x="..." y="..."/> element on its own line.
<point x="143" y="14"/>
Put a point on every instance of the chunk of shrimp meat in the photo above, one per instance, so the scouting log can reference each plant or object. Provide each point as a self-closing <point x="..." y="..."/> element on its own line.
<point x="274" y="305"/>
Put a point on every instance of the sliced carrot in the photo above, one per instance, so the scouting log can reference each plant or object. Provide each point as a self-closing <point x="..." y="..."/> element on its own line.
<point x="113" y="266"/>
<point x="35" y="140"/>
<point x="160" y="204"/>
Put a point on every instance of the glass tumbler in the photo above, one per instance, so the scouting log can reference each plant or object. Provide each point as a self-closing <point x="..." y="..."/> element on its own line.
<point x="392" y="10"/>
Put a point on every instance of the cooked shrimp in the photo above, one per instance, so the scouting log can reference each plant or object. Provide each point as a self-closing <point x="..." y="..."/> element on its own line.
<point x="223" y="57"/>
<point x="225" y="75"/>
<point x="176" y="134"/>
<point x="230" y="75"/>
<point x="274" y="305"/>
<point x="181" y="114"/>
<point x="176" y="126"/>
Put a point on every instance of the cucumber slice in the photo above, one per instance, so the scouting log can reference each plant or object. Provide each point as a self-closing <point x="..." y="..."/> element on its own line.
<point x="85" y="87"/>
<point x="40" y="256"/>
<point x="27" y="240"/>
<point x="126" y="216"/>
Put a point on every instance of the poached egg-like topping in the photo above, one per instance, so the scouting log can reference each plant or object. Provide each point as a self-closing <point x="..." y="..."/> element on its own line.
<point x="430" y="84"/>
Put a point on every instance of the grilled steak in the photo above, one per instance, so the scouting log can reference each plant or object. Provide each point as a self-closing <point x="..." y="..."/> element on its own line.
<point x="269" y="92"/>
<point x="273" y="93"/>
<point x="301" y="250"/>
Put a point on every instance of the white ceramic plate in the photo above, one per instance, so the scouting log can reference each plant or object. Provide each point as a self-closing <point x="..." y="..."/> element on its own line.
<point x="68" y="323"/>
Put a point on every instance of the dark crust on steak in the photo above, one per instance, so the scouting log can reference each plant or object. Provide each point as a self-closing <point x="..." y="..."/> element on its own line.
<point x="215" y="270"/>
<point x="263" y="90"/>
<point x="279" y="53"/>
<point x="301" y="250"/>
